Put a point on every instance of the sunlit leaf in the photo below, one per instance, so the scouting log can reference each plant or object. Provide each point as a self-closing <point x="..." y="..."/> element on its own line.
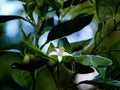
<point x="23" y="78"/>
<point x="93" y="60"/>
<point x="69" y="27"/>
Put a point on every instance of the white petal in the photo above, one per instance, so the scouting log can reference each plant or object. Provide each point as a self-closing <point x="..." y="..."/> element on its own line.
<point x="53" y="53"/>
<point x="66" y="54"/>
<point x="57" y="50"/>
<point x="59" y="58"/>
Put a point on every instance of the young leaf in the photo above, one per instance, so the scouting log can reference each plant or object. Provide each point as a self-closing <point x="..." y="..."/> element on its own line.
<point x="69" y="27"/>
<point x="5" y="18"/>
<point x="93" y="60"/>
<point x="23" y="78"/>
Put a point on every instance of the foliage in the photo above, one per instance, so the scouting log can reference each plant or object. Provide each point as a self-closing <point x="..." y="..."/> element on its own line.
<point x="35" y="68"/>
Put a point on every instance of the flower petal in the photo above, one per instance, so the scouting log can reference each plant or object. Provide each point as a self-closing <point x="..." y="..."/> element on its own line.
<point x="53" y="53"/>
<point x="59" y="58"/>
<point x="66" y="54"/>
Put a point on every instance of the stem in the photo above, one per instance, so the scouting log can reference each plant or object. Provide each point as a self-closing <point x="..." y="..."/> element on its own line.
<point x="34" y="81"/>
<point x="58" y="75"/>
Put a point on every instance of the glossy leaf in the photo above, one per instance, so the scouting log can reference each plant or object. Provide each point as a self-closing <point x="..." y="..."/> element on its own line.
<point x="23" y="78"/>
<point x="100" y="82"/>
<point x="5" y="18"/>
<point x="93" y="60"/>
<point x="69" y="27"/>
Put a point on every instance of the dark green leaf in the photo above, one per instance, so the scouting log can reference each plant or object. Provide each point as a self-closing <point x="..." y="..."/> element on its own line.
<point x="79" y="68"/>
<point x="23" y="78"/>
<point x="67" y="59"/>
<point x="93" y="60"/>
<point x="108" y="6"/>
<point x="63" y="42"/>
<point x="6" y="59"/>
<point x="75" y="2"/>
<point x="69" y="27"/>
<point x="76" y="46"/>
<point x="5" y="18"/>
<point x="115" y="47"/>
<point x="55" y="4"/>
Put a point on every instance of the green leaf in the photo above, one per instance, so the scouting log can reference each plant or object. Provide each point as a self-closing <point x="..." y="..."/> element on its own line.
<point x="5" y="18"/>
<point x="93" y="60"/>
<point x="6" y="59"/>
<point x="76" y="46"/>
<point x="67" y="59"/>
<point x="63" y="42"/>
<point x="115" y="47"/>
<point x="45" y="80"/>
<point x="102" y="72"/>
<point x="55" y="4"/>
<point x="79" y="68"/>
<point x="35" y="49"/>
<point x="51" y="49"/>
<point x="113" y="83"/>
<point x="23" y="78"/>
<point x="108" y="6"/>
<point x="69" y="27"/>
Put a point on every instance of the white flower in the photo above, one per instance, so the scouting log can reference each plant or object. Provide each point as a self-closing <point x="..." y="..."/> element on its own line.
<point x="60" y="52"/>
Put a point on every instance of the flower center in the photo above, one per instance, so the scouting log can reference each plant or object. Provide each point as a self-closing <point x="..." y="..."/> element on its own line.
<point x="61" y="51"/>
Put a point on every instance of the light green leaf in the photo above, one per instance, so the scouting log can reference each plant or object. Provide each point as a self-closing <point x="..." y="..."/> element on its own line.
<point x="35" y="49"/>
<point x="23" y="78"/>
<point x="93" y="60"/>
